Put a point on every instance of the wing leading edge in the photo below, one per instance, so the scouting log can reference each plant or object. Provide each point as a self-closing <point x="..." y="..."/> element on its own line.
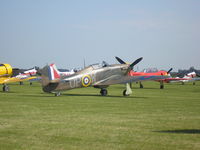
<point x="128" y="79"/>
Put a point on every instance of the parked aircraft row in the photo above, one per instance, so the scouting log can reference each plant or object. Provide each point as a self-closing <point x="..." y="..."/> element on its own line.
<point x="96" y="75"/>
<point x="190" y="77"/>
<point x="9" y="75"/>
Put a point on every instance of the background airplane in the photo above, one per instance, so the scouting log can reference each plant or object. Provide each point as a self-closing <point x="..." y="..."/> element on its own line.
<point x="97" y="75"/>
<point x="9" y="75"/>
<point x="190" y="77"/>
<point x="151" y="71"/>
<point x="148" y="72"/>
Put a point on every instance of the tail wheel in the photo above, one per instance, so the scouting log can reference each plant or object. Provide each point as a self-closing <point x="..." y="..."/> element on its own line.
<point x="103" y="92"/>
<point x="124" y="93"/>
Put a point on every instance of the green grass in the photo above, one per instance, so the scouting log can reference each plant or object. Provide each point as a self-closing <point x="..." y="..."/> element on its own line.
<point x="150" y="119"/>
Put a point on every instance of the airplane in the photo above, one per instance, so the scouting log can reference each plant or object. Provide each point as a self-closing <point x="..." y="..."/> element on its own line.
<point x="154" y="72"/>
<point x="96" y="75"/>
<point x="9" y="75"/>
<point x="6" y="71"/>
<point x="148" y="72"/>
<point x="190" y="77"/>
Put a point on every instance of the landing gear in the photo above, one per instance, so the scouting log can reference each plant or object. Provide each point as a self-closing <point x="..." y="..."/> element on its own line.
<point x="5" y="88"/>
<point x="57" y="94"/>
<point x="103" y="92"/>
<point x="193" y="83"/>
<point x="31" y="83"/>
<point x="21" y="83"/>
<point x="131" y="86"/>
<point x="125" y="93"/>
<point x="141" y="85"/>
<point x="128" y="90"/>
<point x="161" y="85"/>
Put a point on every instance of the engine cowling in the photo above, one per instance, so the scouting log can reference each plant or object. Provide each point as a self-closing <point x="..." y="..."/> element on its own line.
<point x="5" y="70"/>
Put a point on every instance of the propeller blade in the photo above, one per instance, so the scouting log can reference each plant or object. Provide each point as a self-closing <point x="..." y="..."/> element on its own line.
<point x="169" y="70"/>
<point x="136" y="62"/>
<point x="120" y="61"/>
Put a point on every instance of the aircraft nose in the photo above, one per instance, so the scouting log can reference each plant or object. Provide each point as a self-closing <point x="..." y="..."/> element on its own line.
<point x="124" y="69"/>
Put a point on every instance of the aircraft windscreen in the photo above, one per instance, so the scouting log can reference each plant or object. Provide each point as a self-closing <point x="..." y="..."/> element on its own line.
<point x="150" y="70"/>
<point x="99" y="65"/>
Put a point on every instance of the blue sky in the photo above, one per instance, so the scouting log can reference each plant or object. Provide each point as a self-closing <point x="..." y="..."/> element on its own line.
<point x="36" y="32"/>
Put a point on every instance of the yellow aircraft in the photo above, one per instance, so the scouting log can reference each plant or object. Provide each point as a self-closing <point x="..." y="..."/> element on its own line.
<point x="9" y="75"/>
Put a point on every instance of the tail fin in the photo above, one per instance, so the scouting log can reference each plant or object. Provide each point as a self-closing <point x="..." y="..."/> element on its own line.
<point x="49" y="74"/>
<point x="191" y="75"/>
<point x="53" y="72"/>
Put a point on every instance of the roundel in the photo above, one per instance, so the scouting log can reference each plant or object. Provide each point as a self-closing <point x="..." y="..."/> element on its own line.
<point x="86" y="80"/>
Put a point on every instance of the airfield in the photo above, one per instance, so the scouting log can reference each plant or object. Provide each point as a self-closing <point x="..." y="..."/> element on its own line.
<point x="149" y="119"/>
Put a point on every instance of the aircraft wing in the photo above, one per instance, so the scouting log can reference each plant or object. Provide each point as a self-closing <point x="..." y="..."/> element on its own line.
<point x="34" y="79"/>
<point x="3" y="79"/>
<point x="14" y="79"/>
<point x="127" y="79"/>
<point x="194" y="79"/>
<point x="168" y="80"/>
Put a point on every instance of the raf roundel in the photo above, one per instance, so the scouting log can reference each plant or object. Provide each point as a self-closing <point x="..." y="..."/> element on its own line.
<point x="86" y="80"/>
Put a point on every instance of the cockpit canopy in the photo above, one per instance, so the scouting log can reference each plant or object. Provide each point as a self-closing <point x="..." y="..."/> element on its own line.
<point x="150" y="70"/>
<point x="99" y="65"/>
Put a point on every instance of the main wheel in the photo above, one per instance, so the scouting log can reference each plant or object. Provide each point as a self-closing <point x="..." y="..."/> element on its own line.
<point x="124" y="93"/>
<point x="5" y="88"/>
<point x="57" y="94"/>
<point x="103" y="92"/>
<point x="141" y="86"/>
<point x="162" y="86"/>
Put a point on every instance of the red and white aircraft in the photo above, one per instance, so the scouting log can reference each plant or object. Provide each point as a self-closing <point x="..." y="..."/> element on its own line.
<point x="150" y="72"/>
<point x="190" y="77"/>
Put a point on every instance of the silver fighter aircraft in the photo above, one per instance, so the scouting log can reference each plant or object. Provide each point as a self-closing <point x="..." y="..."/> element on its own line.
<point x="97" y="75"/>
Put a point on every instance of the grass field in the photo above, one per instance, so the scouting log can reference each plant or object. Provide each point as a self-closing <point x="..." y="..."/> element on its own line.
<point x="150" y="119"/>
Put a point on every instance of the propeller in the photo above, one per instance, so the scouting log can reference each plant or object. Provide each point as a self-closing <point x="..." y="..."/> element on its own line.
<point x="135" y="62"/>
<point x="169" y="70"/>
<point x="120" y="60"/>
<point x="131" y="65"/>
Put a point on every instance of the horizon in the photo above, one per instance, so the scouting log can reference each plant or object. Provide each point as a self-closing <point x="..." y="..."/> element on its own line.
<point x="165" y="33"/>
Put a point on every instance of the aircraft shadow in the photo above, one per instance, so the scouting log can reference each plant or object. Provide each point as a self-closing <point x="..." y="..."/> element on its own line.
<point x="96" y="95"/>
<point x="78" y="95"/>
<point x="138" y="88"/>
<point x="181" y="131"/>
<point x="8" y="92"/>
<point x="149" y="88"/>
